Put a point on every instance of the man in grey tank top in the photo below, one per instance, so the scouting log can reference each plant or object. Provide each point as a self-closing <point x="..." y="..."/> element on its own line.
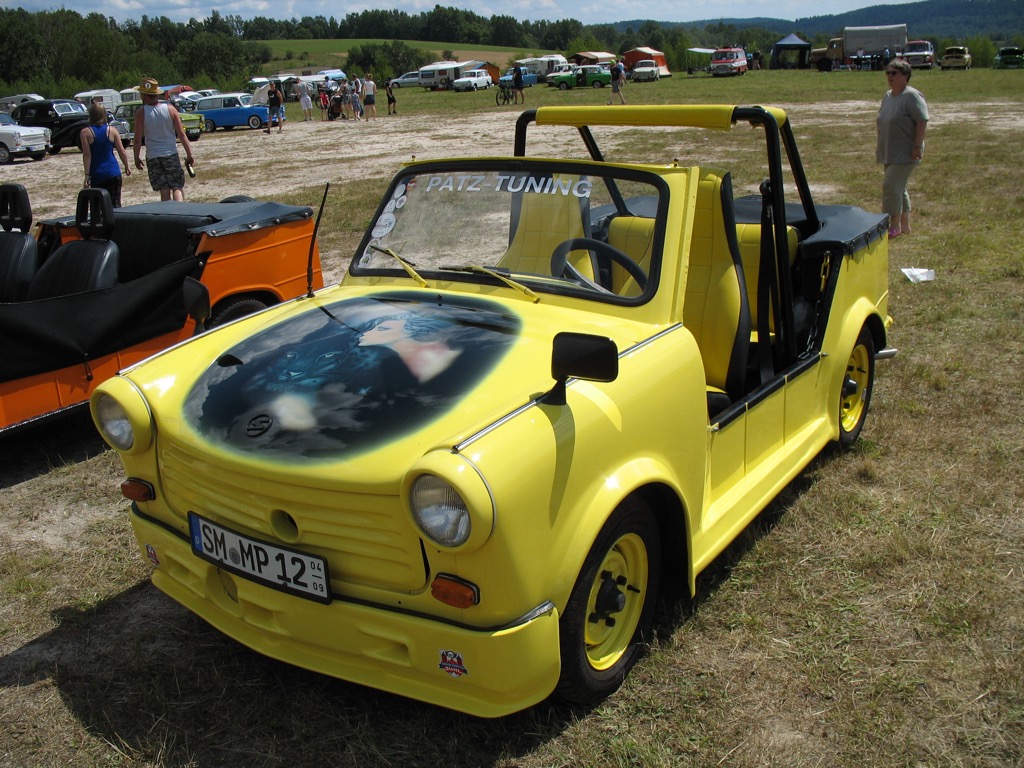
<point x="159" y="123"/>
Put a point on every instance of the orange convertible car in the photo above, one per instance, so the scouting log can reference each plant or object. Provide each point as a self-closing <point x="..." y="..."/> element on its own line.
<point x="85" y="296"/>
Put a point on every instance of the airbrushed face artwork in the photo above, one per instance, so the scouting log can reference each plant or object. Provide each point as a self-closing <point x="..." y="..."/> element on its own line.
<point x="348" y="378"/>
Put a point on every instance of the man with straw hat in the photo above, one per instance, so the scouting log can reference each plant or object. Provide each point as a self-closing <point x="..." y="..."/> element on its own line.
<point x="159" y="123"/>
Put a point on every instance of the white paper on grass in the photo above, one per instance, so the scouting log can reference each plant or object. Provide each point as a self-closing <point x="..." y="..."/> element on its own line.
<point x="918" y="274"/>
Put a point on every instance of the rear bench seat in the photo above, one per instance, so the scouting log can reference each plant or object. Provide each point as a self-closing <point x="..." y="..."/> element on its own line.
<point x="150" y="241"/>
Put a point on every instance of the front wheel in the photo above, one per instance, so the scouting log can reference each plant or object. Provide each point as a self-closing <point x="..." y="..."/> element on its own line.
<point x="255" y="122"/>
<point x="855" y="395"/>
<point x="54" y="150"/>
<point x="610" y="612"/>
<point x="193" y="136"/>
<point x="563" y="86"/>
<point x="5" y="155"/>
<point x="209" y="126"/>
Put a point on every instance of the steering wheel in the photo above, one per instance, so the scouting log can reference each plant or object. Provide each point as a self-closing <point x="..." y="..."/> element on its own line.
<point x="560" y="266"/>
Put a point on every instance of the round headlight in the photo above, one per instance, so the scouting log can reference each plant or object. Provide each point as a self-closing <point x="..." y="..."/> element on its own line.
<point x="113" y="422"/>
<point x="439" y="511"/>
<point x="122" y="416"/>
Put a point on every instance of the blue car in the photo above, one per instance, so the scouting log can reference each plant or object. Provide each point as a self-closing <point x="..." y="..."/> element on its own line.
<point x="231" y="110"/>
<point x="529" y="78"/>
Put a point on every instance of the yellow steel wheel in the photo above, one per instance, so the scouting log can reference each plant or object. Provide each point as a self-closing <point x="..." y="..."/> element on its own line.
<point x="616" y="601"/>
<point x="608" y="617"/>
<point x="855" y="393"/>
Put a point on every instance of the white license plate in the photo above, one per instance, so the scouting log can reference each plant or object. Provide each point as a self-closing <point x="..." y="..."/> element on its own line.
<point x="287" y="570"/>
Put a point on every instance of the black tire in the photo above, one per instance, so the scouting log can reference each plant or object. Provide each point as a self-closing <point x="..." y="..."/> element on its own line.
<point x="607" y="620"/>
<point x="239" y="199"/>
<point x="54" y="150"/>
<point x="598" y="84"/>
<point x="194" y="136"/>
<point x="5" y="155"/>
<point x="233" y="309"/>
<point x="209" y="126"/>
<point x="563" y="86"/>
<point x="255" y="122"/>
<point x="855" y="390"/>
<point x="38" y="156"/>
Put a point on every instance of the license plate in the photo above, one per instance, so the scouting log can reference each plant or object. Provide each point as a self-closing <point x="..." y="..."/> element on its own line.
<point x="281" y="568"/>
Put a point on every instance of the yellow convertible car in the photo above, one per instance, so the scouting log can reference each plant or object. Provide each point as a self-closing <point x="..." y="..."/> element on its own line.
<point x="543" y="388"/>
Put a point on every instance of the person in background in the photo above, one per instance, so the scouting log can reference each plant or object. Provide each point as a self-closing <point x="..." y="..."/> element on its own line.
<point x="618" y="73"/>
<point x="159" y="124"/>
<point x="517" y="84"/>
<point x="370" y="96"/>
<point x="901" y="124"/>
<point x="305" y="100"/>
<point x="357" y="98"/>
<point x="99" y="143"/>
<point x="275" y="101"/>
<point x="389" y="90"/>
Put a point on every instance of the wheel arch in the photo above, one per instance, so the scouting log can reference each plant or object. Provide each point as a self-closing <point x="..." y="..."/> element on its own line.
<point x="650" y="481"/>
<point x="861" y="316"/>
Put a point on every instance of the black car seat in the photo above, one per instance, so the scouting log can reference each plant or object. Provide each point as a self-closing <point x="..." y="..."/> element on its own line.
<point x="19" y="256"/>
<point x="90" y="264"/>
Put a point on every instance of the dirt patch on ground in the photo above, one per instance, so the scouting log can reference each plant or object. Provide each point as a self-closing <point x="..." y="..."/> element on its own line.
<point x="305" y="154"/>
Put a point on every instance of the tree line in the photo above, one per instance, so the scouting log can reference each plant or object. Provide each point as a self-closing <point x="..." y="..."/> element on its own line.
<point x="61" y="52"/>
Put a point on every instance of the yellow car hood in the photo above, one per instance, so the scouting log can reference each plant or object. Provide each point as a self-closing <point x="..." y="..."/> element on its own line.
<point x="397" y="370"/>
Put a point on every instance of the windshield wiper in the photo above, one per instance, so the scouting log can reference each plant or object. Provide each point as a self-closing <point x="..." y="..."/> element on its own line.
<point x="473" y="268"/>
<point x="407" y="265"/>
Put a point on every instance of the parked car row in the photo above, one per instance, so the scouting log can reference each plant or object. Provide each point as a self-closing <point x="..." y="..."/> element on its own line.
<point x="21" y="140"/>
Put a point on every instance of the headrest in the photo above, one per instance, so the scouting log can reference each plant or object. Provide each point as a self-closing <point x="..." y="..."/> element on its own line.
<point x="15" y="210"/>
<point x="95" y="213"/>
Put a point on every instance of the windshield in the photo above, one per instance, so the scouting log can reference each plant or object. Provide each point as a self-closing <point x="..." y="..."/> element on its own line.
<point x="570" y="229"/>
<point x="68" y="107"/>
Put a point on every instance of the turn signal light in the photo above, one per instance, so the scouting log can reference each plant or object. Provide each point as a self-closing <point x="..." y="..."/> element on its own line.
<point x="455" y="592"/>
<point x="134" y="489"/>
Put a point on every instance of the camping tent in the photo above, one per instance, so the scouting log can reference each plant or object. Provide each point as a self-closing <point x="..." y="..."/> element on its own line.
<point x="793" y="45"/>
<point x="630" y="58"/>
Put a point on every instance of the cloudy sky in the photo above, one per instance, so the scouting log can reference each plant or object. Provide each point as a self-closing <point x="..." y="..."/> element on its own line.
<point x="588" y="11"/>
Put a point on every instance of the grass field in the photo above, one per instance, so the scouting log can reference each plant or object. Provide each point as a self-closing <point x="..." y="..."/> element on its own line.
<point x="327" y="54"/>
<point x="872" y="616"/>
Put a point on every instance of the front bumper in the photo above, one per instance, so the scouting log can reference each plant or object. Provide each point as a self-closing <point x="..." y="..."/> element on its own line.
<point x="483" y="672"/>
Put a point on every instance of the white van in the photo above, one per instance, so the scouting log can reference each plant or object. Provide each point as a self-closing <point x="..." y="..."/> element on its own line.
<point x="111" y="98"/>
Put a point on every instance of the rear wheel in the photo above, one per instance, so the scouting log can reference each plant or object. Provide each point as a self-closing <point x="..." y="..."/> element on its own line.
<point x="855" y="395"/>
<point x="610" y="611"/>
<point x="232" y="309"/>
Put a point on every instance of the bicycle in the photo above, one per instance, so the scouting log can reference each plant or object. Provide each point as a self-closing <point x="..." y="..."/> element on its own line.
<point x="503" y="95"/>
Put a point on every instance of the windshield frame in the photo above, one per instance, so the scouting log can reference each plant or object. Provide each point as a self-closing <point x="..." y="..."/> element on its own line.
<point x="654" y="206"/>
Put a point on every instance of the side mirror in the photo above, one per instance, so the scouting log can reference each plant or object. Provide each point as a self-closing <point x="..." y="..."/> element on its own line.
<point x="580" y="356"/>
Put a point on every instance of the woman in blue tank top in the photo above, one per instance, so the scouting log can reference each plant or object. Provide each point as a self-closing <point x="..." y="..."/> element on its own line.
<point x="99" y="142"/>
